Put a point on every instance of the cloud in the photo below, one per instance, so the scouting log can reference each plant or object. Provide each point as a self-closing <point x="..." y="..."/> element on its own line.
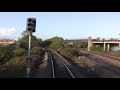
<point x="7" y="33"/>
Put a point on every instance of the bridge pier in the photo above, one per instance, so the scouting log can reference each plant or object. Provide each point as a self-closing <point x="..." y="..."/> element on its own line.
<point x="104" y="46"/>
<point x="119" y="44"/>
<point x="89" y="43"/>
<point x="108" y="47"/>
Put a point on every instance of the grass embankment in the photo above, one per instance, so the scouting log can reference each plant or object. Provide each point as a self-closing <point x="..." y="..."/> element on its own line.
<point x="71" y="55"/>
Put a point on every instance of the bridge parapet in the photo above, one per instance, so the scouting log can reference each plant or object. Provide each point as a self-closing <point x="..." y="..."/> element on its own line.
<point x="82" y="40"/>
<point x="106" y="40"/>
<point x="93" y="40"/>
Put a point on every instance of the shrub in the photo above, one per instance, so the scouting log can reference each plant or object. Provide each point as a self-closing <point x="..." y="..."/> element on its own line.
<point x="6" y="53"/>
<point x="16" y="67"/>
<point x="94" y="48"/>
<point x="15" y="64"/>
<point x="60" y="49"/>
<point x="23" y="42"/>
<point x="37" y="50"/>
<point x="20" y="51"/>
<point x="68" y="52"/>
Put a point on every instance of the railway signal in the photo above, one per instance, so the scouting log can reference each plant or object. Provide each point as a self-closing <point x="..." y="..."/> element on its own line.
<point x="31" y="26"/>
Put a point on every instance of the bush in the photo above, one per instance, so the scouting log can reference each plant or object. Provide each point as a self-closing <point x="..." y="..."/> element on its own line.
<point x="94" y="48"/>
<point x="20" y="51"/>
<point x="23" y="42"/>
<point x="37" y="50"/>
<point x="55" y="43"/>
<point x="60" y="49"/>
<point x="16" y="67"/>
<point x="15" y="64"/>
<point x="6" y="53"/>
<point x="68" y="52"/>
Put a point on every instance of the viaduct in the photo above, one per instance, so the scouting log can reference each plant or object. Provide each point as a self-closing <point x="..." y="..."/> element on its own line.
<point x="106" y="44"/>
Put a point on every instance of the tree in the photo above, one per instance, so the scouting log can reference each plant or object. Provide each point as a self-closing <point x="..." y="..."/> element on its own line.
<point x="39" y="41"/>
<point x="45" y="43"/>
<point x="56" y="42"/>
<point x="23" y="42"/>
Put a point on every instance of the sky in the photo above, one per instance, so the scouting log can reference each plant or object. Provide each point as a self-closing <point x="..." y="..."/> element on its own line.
<point x="68" y="25"/>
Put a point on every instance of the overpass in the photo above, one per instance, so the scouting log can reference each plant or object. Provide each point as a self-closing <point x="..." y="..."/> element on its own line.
<point x="107" y="44"/>
<point x="78" y="40"/>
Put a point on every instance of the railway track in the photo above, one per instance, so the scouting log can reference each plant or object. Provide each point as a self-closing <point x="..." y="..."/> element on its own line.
<point x="99" y="61"/>
<point x="106" y="65"/>
<point x="108" y="56"/>
<point x="59" y="67"/>
<point x="52" y="65"/>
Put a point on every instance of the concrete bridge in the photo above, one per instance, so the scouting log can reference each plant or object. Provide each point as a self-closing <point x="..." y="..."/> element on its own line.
<point x="106" y="44"/>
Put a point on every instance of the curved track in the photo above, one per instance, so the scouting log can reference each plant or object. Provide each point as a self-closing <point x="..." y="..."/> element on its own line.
<point x="59" y="66"/>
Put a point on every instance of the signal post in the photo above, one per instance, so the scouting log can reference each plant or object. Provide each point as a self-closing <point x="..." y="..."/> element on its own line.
<point x="31" y="26"/>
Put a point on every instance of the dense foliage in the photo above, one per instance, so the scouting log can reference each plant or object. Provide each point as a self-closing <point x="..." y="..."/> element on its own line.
<point x="16" y="67"/>
<point x="55" y="43"/>
<point x="13" y="57"/>
<point x="37" y="50"/>
<point x="97" y="48"/>
<point x="24" y="41"/>
<point x="6" y="53"/>
<point x="68" y="52"/>
<point x="20" y="52"/>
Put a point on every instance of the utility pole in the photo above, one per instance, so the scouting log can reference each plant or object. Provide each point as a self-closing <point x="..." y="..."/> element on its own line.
<point x="31" y="25"/>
